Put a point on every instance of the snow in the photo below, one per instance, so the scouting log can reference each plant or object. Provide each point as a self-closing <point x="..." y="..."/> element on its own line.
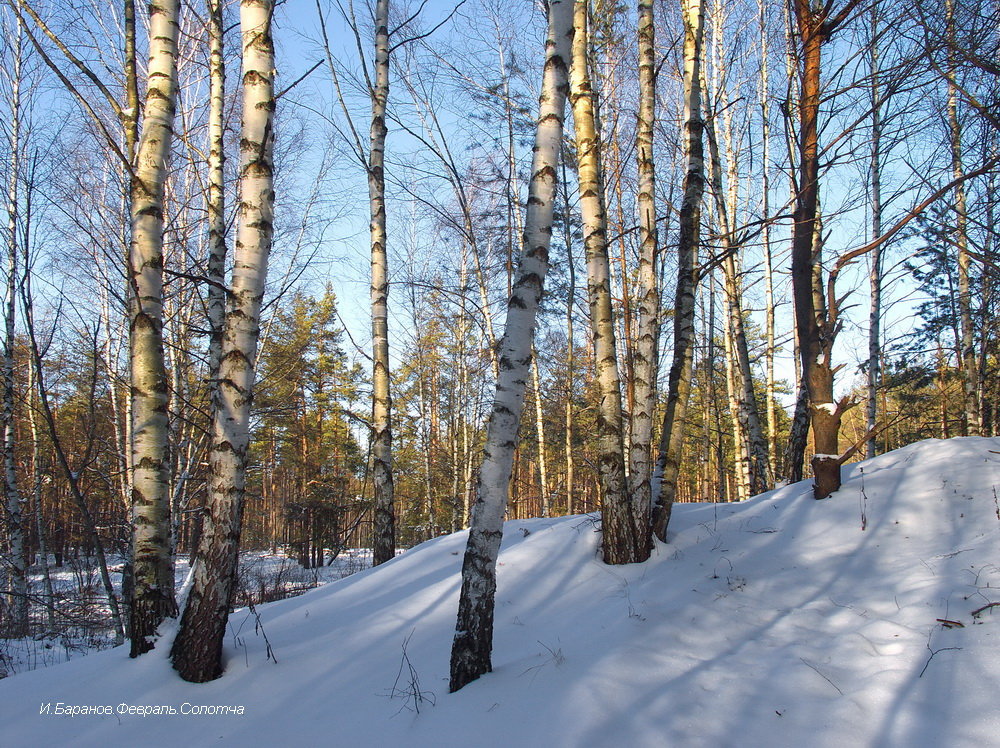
<point x="778" y="621"/>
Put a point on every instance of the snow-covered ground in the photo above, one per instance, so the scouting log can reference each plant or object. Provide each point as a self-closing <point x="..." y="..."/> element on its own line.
<point x="83" y="619"/>
<point x="781" y="621"/>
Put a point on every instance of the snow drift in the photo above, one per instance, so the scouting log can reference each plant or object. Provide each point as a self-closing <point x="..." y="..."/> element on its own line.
<point x="779" y="621"/>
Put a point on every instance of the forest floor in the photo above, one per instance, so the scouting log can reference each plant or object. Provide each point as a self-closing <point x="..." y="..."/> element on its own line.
<point x="867" y="619"/>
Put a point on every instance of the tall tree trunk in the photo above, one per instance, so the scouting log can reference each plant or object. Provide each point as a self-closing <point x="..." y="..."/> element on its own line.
<point x="770" y="389"/>
<point x="750" y="442"/>
<point x="972" y="418"/>
<point x="570" y="352"/>
<point x="741" y="453"/>
<point x="620" y="541"/>
<point x="14" y="506"/>
<point x="543" y="468"/>
<point x="384" y="541"/>
<point x="795" y="450"/>
<point x="875" y="273"/>
<point x="197" y="650"/>
<point x="152" y="597"/>
<point x="646" y="349"/>
<point x="38" y="478"/>
<point x="664" y="484"/>
<point x="471" y="649"/>
<point x="798" y="435"/>
<point x="815" y="324"/>
<point x="216" y="202"/>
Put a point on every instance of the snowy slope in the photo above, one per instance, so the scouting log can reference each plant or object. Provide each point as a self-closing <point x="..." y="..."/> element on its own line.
<point x="777" y="622"/>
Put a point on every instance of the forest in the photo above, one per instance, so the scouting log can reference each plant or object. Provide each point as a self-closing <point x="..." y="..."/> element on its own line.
<point x="308" y="278"/>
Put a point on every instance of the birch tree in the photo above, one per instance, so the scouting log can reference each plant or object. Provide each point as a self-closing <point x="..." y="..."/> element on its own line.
<point x="384" y="540"/>
<point x="197" y="650"/>
<point x="875" y="272"/>
<point x="646" y="351"/>
<point x="622" y="541"/>
<point x="764" y="92"/>
<point x="749" y="435"/>
<point x="689" y="238"/>
<point x="152" y="598"/>
<point x="972" y="418"/>
<point x="216" y="198"/>
<point x="15" y="517"/>
<point x="373" y="158"/>
<point x="473" y="643"/>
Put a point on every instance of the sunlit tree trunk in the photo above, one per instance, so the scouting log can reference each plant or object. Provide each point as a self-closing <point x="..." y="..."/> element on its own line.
<point x="750" y="443"/>
<point x="197" y="650"/>
<point x="384" y="541"/>
<point x="471" y="649"/>
<point x="646" y="349"/>
<point x="152" y="597"/>
<point x="570" y="352"/>
<point x="972" y="418"/>
<point x="216" y="202"/>
<point x="15" y="519"/>
<point x="812" y="318"/>
<point x="543" y="472"/>
<point x="770" y="389"/>
<point x="621" y="543"/>
<point x="38" y="478"/>
<point x="689" y="237"/>
<point x="875" y="273"/>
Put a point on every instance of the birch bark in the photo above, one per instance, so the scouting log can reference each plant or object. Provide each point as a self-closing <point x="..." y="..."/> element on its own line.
<point x="152" y="597"/>
<point x="765" y="238"/>
<point x="15" y="519"/>
<point x="471" y="649"/>
<point x="751" y="445"/>
<point x="197" y="650"/>
<point x="646" y="350"/>
<point x="679" y="388"/>
<point x="216" y="203"/>
<point x="972" y="417"/>
<point x="620" y="541"/>
<point x="384" y="541"/>
<point x="875" y="275"/>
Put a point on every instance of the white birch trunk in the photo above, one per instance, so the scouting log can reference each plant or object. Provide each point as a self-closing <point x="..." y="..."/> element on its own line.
<point x="765" y="238"/>
<point x="646" y="349"/>
<point x="197" y="650"/>
<point x="543" y="473"/>
<point x="664" y="484"/>
<point x="470" y="656"/>
<point x="384" y="541"/>
<point x="570" y="352"/>
<point x="38" y="477"/>
<point x="967" y="348"/>
<point x="620" y="542"/>
<point x="153" y="576"/>
<point x="875" y="275"/>
<point x="15" y="520"/>
<point x="748" y="433"/>
<point x="216" y="202"/>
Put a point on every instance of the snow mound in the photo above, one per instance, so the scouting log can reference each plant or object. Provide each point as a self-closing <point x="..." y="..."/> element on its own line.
<point x="781" y="621"/>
